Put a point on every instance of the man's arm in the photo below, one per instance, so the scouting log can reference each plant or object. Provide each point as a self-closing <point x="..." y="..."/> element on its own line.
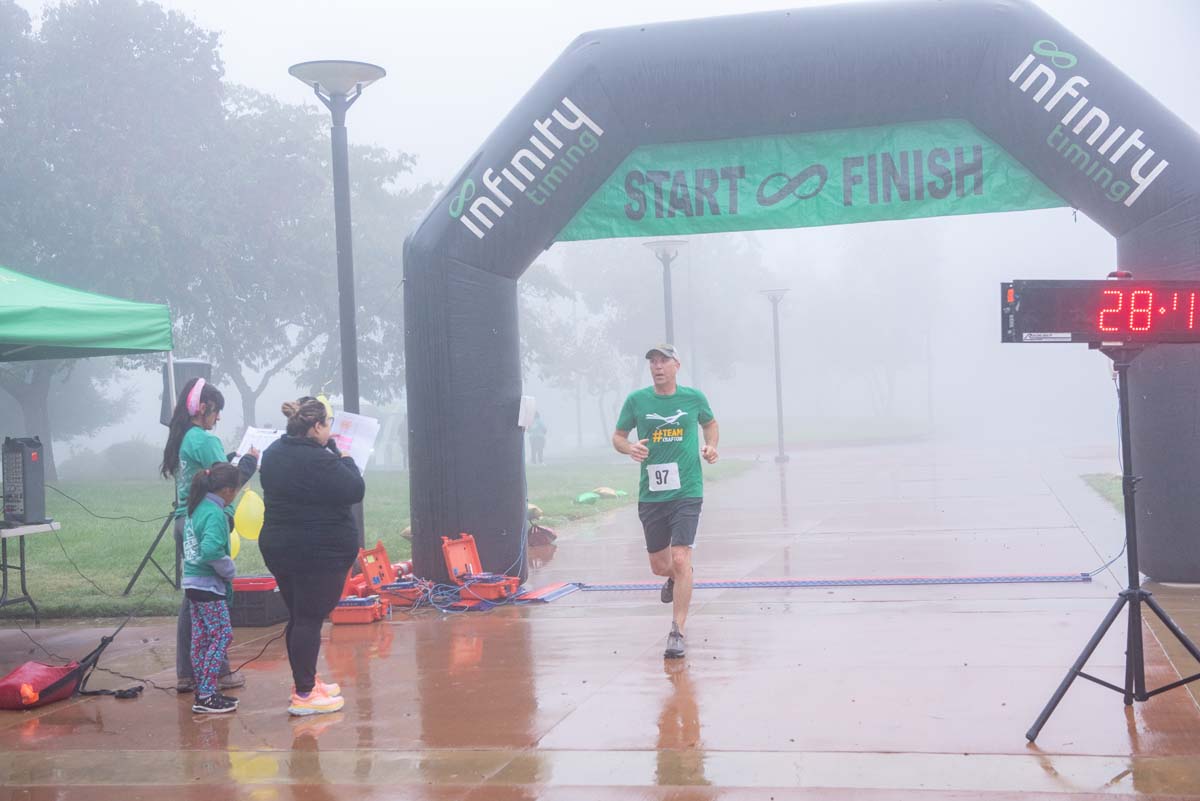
<point x="712" y="435"/>
<point x="634" y="450"/>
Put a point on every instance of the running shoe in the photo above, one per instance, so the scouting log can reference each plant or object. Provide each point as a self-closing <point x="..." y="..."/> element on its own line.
<point x="315" y="703"/>
<point x="331" y="689"/>
<point x="214" y="705"/>
<point x="675" y="646"/>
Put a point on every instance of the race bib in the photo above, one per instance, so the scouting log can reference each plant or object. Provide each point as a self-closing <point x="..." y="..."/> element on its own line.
<point x="663" y="477"/>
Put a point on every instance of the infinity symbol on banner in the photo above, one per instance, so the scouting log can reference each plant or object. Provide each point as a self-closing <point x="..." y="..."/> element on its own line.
<point x="792" y="187"/>
<point x="465" y="193"/>
<point x="1059" y="58"/>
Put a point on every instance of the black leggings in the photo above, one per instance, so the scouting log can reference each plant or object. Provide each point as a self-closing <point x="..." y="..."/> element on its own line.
<point x="310" y="597"/>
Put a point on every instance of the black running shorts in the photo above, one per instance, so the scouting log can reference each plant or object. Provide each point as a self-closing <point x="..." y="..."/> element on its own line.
<point x="670" y="522"/>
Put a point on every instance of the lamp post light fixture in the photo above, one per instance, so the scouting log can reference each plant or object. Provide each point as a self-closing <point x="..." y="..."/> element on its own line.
<point x="337" y="85"/>
<point x="666" y="251"/>
<point x="775" y="296"/>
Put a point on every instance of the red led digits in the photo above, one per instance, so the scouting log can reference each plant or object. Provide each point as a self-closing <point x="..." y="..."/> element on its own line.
<point x="1135" y="313"/>
<point x="1120" y="302"/>
<point x="1144" y="313"/>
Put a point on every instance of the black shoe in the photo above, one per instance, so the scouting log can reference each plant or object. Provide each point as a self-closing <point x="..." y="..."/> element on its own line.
<point x="668" y="591"/>
<point x="675" y="646"/>
<point x="214" y="705"/>
<point x="228" y="698"/>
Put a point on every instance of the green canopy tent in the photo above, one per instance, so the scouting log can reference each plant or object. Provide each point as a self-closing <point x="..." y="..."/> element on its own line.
<point x="41" y="320"/>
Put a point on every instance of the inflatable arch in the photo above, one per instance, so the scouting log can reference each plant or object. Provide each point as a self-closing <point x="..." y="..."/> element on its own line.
<point x="783" y="119"/>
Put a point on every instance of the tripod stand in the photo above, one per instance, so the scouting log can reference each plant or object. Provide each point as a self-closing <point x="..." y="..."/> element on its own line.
<point x="149" y="557"/>
<point x="1133" y="595"/>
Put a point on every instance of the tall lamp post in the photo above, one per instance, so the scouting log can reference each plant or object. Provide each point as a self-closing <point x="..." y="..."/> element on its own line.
<point x="337" y="84"/>
<point x="666" y="251"/>
<point x="776" y="295"/>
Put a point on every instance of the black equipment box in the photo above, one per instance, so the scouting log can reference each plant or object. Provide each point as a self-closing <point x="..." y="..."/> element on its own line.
<point x="256" y="602"/>
<point x="24" y="476"/>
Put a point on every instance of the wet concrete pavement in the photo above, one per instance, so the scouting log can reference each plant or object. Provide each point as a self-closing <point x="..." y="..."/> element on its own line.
<point x="842" y="693"/>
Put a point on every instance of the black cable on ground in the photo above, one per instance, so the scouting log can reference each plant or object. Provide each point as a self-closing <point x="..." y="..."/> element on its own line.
<point x="105" y="517"/>
<point x="262" y="651"/>
<point x="128" y="617"/>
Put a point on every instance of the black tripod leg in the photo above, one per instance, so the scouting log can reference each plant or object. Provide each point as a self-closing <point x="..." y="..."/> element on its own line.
<point x="1105" y="625"/>
<point x="1135" y="659"/>
<point x="1191" y="647"/>
<point x="149" y="557"/>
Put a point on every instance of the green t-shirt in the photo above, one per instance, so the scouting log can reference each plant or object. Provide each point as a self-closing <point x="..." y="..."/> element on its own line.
<point x="205" y="539"/>
<point x="199" y="450"/>
<point x="671" y="423"/>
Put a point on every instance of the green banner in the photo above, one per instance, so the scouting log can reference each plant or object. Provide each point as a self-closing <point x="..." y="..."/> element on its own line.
<point x="925" y="169"/>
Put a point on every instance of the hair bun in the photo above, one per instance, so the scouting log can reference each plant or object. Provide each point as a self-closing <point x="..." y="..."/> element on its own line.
<point x="290" y="408"/>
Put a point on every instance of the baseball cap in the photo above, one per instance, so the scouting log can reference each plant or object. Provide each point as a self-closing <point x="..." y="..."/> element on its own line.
<point x="665" y="350"/>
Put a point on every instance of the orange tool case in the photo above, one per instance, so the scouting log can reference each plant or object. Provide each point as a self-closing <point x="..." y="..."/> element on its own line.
<point x="462" y="563"/>
<point x="359" y="610"/>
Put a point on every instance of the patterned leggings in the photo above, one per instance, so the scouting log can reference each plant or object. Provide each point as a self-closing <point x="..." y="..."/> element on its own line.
<point x="211" y="635"/>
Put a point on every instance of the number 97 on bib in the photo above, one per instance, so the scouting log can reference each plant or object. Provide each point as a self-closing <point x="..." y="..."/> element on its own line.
<point x="663" y="477"/>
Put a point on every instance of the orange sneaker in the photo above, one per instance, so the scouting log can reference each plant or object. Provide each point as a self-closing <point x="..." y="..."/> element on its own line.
<point x="331" y="689"/>
<point x="315" y="703"/>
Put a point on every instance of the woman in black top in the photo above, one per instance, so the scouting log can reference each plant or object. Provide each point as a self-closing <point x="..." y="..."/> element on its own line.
<point x="309" y="539"/>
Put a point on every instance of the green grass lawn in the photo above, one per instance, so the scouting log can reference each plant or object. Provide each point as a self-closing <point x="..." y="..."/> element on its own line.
<point x="1109" y="486"/>
<point x="106" y="552"/>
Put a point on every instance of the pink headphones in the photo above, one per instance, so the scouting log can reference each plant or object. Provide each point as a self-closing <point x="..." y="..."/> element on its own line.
<point x="193" y="398"/>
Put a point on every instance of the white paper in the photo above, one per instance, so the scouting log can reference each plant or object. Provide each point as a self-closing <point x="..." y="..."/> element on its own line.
<point x="355" y="436"/>
<point x="526" y="412"/>
<point x="258" y="437"/>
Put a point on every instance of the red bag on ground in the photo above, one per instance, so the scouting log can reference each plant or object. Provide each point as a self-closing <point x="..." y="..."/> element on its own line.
<point x="34" y="684"/>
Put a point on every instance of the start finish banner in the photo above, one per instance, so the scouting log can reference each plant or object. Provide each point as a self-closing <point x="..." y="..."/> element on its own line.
<point x="926" y="169"/>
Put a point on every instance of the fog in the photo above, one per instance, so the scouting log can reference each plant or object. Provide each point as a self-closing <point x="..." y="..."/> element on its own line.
<point x="918" y="356"/>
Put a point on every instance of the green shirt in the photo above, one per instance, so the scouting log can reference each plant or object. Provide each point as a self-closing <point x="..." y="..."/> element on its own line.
<point x="671" y="425"/>
<point x="205" y="539"/>
<point x="198" y="451"/>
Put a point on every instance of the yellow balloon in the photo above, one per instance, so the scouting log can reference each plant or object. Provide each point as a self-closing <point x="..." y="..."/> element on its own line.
<point x="235" y="544"/>
<point x="328" y="406"/>
<point x="248" y="517"/>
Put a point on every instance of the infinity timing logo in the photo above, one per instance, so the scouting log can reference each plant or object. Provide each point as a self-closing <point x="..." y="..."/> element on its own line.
<point x="530" y="166"/>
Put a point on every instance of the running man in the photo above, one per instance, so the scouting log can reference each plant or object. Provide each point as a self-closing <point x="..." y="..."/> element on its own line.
<point x="671" y="490"/>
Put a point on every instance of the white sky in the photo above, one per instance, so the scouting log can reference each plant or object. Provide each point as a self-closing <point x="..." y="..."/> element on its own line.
<point x="456" y="67"/>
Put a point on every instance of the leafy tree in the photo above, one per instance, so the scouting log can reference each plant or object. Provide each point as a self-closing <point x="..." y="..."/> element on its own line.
<point x="79" y="400"/>
<point x="251" y="302"/>
<point x="132" y="169"/>
<point x="101" y="107"/>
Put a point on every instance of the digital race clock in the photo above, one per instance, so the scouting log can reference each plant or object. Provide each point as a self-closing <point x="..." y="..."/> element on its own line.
<point x="1114" y="311"/>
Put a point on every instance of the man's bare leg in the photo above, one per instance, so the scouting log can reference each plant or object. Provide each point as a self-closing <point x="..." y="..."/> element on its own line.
<point x="681" y="572"/>
<point x="660" y="562"/>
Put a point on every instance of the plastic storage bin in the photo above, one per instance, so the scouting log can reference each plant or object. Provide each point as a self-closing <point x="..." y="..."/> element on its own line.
<point x="256" y="602"/>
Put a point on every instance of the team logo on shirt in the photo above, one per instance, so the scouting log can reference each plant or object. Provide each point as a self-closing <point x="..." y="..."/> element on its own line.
<point x="664" y="434"/>
<point x="672" y="420"/>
